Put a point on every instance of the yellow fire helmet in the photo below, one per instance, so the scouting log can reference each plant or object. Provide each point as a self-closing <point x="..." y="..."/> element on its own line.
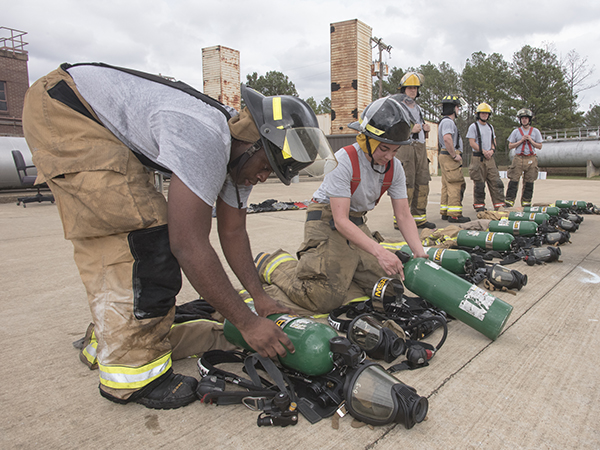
<point x="483" y="108"/>
<point x="411" y="79"/>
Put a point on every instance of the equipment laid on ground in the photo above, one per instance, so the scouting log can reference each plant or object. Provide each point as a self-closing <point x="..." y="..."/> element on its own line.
<point x="485" y="240"/>
<point x="542" y="255"/>
<point x="450" y="259"/>
<point x="310" y="339"/>
<point x="514" y="227"/>
<point x="550" y="210"/>
<point x="456" y="296"/>
<point x="538" y="218"/>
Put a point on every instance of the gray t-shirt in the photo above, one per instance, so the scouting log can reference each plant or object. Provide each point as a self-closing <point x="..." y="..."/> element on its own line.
<point x="447" y="126"/>
<point x="415" y="114"/>
<point x="337" y="182"/>
<point x="487" y="135"/>
<point x="171" y="128"/>
<point x="526" y="148"/>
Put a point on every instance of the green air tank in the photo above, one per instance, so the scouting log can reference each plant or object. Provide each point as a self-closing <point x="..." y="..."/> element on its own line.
<point x="488" y="240"/>
<point x="514" y="227"/>
<point x="538" y="218"/>
<point x="550" y="210"/>
<point x="462" y="300"/>
<point x="450" y="259"/>
<point x="577" y="204"/>
<point x="311" y="341"/>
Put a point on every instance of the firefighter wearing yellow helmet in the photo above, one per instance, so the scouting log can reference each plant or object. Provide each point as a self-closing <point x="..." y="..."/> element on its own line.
<point x="525" y="140"/>
<point x="483" y="169"/>
<point x="451" y="149"/>
<point x="414" y="154"/>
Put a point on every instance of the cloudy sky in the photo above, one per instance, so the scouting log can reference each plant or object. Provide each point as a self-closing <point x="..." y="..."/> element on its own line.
<point x="167" y="36"/>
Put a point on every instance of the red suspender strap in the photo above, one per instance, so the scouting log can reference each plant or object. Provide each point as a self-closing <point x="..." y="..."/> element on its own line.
<point x="387" y="179"/>
<point x="355" y="167"/>
<point x="528" y="143"/>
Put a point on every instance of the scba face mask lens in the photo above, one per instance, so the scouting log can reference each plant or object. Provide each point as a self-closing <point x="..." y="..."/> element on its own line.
<point x="375" y="397"/>
<point x="377" y="341"/>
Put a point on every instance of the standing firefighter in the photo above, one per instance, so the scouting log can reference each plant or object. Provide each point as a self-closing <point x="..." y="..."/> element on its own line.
<point x="340" y="259"/>
<point x="93" y="129"/>
<point x="526" y="140"/>
<point x="414" y="155"/>
<point x="451" y="148"/>
<point x="483" y="167"/>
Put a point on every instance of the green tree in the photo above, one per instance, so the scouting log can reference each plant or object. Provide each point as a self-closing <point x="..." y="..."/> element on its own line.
<point x="313" y="104"/>
<point x="325" y="106"/>
<point x="539" y="84"/>
<point x="272" y="83"/>
<point x="438" y="81"/>
<point x="487" y="78"/>
<point x="592" y="117"/>
<point x="390" y="85"/>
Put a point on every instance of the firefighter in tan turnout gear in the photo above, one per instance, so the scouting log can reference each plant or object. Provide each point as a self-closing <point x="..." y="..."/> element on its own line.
<point x="414" y="155"/>
<point x="340" y="259"/>
<point x="93" y="130"/>
<point x="451" y="149"/>
<point x="525" y="140"/>
<point x="483" y="169"/>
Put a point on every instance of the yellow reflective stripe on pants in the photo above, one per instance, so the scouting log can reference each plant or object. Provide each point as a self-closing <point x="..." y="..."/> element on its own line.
<point x="89" y="353"/>
<point x="393" y="246"/>
<point x="272" y="265"/>
<point x="122" y="377"/>
<point x="454" y="211"/>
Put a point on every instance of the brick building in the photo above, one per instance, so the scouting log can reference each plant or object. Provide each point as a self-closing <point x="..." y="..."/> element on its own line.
<point x="14" y="81"/>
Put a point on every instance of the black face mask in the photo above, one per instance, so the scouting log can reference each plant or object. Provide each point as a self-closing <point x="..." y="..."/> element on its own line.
<point x="377" y="341"/>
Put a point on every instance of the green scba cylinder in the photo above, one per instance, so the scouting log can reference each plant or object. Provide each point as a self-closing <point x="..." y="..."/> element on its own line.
<point x="450" y="259"/>
<point x="538" y="218"/>
<point x="310" y="339"/>
<point x="466" y="302"/>
<point x="484" y="239"/>
<point x="550" y="210"/>
<point x="514" y="227"/>
<point x="579" y="204"/>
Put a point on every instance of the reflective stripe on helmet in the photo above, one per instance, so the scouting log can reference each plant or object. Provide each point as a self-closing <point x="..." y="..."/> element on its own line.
<point x="277" y="114"/>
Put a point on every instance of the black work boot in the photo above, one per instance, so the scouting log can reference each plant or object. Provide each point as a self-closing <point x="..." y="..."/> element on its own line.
<point x="169" y="391"/>
<point x="461" y="219"/>
<point x="426" y="224"/>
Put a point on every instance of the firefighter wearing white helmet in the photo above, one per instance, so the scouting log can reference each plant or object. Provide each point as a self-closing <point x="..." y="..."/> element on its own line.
<point x="451" y="149"/>
<point x="340" y="259"/>
<point x="414" y="155"/>
<point x="526" y="140"/>
<point x="483" y="169"/>
<point x="94" y="131"/>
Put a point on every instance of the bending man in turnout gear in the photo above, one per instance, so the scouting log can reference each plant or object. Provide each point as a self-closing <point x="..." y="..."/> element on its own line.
<point x="451" y="148"/>
<point x="483" y="169"/>
<point x="94" y="130"/>
<point x="525" y="140"/>
<point x="340" y="259"/>
<point x="414" y="154"/>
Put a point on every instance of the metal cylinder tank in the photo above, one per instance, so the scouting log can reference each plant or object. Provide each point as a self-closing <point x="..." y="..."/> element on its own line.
<point x="567" y="153"/>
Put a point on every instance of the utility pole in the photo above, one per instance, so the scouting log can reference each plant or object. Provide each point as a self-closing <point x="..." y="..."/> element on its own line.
<point x="382" y="47"/>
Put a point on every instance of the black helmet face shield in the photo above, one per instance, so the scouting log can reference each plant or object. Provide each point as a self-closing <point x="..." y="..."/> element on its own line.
<point x="386" y="120"/>
<point x="289" y="132"/>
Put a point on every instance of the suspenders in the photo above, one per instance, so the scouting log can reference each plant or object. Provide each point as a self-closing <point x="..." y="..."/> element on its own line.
<point x="522" y="152"/>
<point x="353" y="155"/>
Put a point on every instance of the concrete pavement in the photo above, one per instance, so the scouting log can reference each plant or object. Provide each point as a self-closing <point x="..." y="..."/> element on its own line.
<point x="537" y="386"/>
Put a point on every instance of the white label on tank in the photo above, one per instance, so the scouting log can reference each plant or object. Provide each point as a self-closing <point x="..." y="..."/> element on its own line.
<point x="503" y="221"/>
<point x="300" y="324"/>
<point x="477" y="302"/>
<point x="432" y="264"/>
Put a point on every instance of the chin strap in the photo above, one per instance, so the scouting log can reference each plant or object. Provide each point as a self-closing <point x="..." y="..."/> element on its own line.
<point x="239" y="162"/>
<point x="388" y="166"/>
